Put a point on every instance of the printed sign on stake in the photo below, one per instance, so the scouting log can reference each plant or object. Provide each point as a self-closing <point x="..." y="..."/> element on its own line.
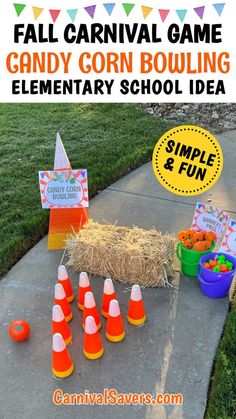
<point x="209" y="218"/>
<point x="64" y="189"/>
<point x="228" y="244"/>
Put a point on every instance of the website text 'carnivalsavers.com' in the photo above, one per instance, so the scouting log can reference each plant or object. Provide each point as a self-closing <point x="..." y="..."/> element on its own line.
<point x="113" y="397"/>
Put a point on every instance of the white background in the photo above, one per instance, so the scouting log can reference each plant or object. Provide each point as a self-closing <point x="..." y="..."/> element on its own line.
<point x="8" y="18"/>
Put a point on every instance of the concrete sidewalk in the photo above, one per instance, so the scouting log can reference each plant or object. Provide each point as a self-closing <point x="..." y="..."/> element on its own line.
<point x="173" y="352"/>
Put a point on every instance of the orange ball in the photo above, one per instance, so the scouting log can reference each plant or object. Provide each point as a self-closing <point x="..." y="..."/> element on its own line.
<point x="182" y="236"/>
<point x="199" y="236"/>
<point x="223" y="268"/>
<point x="199" y="246"/>
<point x="212" y="263"/>
<point x="19" y="330"/>
<point x="187" y="244"/>
<point x="207" y="244"/>
<point x="190" y="233"/>
<point x="211" y="236"/>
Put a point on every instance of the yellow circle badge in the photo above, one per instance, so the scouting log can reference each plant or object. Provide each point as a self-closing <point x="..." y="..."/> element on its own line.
<point x="187" y="160"/>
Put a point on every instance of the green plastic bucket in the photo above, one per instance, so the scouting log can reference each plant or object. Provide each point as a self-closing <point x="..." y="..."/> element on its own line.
<point x="190" y="259"/>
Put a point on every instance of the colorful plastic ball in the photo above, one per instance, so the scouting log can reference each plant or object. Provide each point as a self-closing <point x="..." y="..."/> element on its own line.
<point x="19" y="330"/>
<point x="223" y="268"/>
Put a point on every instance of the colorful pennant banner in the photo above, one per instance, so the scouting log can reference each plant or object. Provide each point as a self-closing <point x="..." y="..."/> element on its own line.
<point x="54" y="14"/>
<point x="200" y="11"/>
<point x="109" y="7"/>
<point x="72" y="13"/>
<point x="90" y="10"/>
<point x="163" y="14"/>
<point x="181" y="13"/>
<point x="37" y="12"/>
<point x="127" y="7"/>
<point x="146" y="11"/>
<point x="19" y="8"/>
<point x="219" y="7"/>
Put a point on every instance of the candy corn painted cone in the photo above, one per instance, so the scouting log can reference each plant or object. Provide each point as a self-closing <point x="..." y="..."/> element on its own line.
<point x="60" y="299"/>
<point x="64" y="280"/>
<point x="136" y="312"/>
<point x="62" y="365"/>
<point x="115" y="331"/>
<point x="90" y="309"/>
<point x="84" y="286"/>
<point x="108" y="295"/>
<point x="59" y="324"/>
<point x="64" y="221"/>
<point x="93" y="348"/>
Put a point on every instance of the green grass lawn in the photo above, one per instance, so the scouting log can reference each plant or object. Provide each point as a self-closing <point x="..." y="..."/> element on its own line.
<point x="109" y="140"/>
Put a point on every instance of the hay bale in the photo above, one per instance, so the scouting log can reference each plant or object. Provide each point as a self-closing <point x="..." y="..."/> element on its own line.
<point x="130" y="255"/>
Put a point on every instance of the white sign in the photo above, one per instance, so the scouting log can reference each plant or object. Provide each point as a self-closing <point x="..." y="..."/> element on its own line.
<point x="228" y="244"/>
<point x="208" y="218"/>
<point x="64" y="188"/>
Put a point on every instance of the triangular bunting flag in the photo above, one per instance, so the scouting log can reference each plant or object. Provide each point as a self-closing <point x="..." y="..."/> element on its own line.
<point x="72" y="13"/>
<point x="109" y="7"/>
<point x="146" y="11"/>
<point x="90" y="10"/>
<point x="54" y="14"/>
<point x="37" y="12"/>
<point x="163" y="14"/>
<point x="128" y="7"/>
<point x="181" y="13"/>
<point x="200" y="11"/>
<point x="219" y="7"/>
<point x="19" y="8"/>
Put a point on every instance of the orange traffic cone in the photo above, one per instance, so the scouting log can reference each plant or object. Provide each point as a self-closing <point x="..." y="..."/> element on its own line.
<point x="84" y="286"/>
<point x="115" y="331"/>
<point x="60" y="299"/>
<point x="93" y="348"/>
<point x="62" y="365"/>
<point x="90" y="309"/>
<point x="59" y="324"/>
<point x="136" y="312"/>
<point x="64" y="280"/>
<point x="108" y="295"/>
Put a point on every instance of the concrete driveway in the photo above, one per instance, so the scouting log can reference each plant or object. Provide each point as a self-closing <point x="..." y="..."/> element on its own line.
<point x="172" y="353"/>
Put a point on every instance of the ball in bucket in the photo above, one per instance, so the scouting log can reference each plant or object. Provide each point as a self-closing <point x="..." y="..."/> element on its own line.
<point x="215" y="274"/>
<point x="191" y="247"/>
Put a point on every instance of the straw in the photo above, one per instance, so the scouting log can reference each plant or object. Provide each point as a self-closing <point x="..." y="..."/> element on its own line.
<point x="130" y="255"/>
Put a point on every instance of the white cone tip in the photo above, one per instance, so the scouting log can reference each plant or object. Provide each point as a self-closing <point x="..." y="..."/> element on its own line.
<point x="89" y="301"/>
<point x="114" y="308"/>
<point x="90" y="325"/>
<point x="61" y="160"/>
<point x="108" y="286"/>
<point x="62" y="273"/>
<point x="83" y="280"/>
<point x="59" y="292"/>
<point x="57" y="314"/>
<point x="58" y="344"/>
<point x="136" y="294"/>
